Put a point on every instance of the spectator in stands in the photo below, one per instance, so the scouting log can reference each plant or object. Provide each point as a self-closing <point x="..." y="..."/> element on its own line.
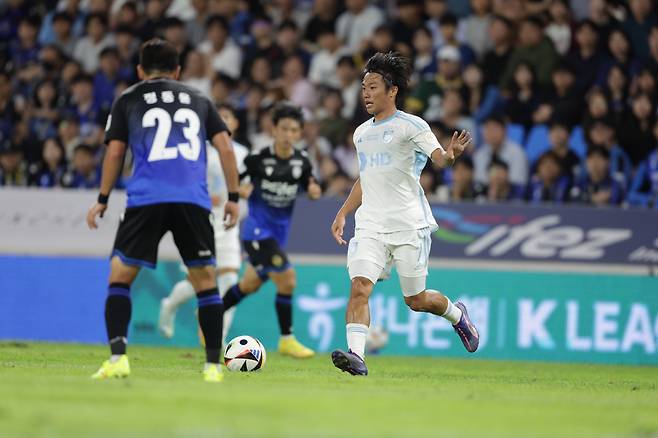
<point x="85" y="109"/>
<point x="524" y="96"/>
<point x="652" y="59"/>
<point x="448" y="30"/>
<point x="195" y="27"/>
<point x="48" y="33"/>
<point x="620" y="54"/>
<point x="9" y="114"/>
<point x="13" y="170"/>
<point x="335" y="182"/>
<point x="645" y="83"/>
<point x="499" y="187"/>
<point x="68" y="133"/>
<point x="382" y="40"/>
<point x="599" y="13"/>
<point x="473" y="29"/>
<point x="154" y="19"/>
<point x="42" y="112"/>
<point x="644" y="191"/>
<point x="616" y="91"/>
<point x="435" y="9"/>
<point x="25" y="49"/>
<point x="496" y="59"/>
<point x="350" y="85"/>
<point x="563" y="100"/>
<point x="424" y="58"/>
<point x="324" y="61"/>
<point x="345" y="154"/>
<point x="107" y="78"/>
<point x="636" y="135"/>
<point x="88" y="49"/>
<point x="409" y="19"/>
<point x="333" y="126"/>
<point x="288" y="41"/>
<point x="174" y="32"/>
<point x="558" y="135"/>
<point x="559" y="27"/>
<point x="536" y="49"/>
<point x="596" y="106"/>
<point x="426" y="98"/>
<point x="127" y="15"/>
<point x="323" y="19"/>
<point x="296" y="87"/>
<point x="355" y="26"/>
<point x="497" y="145"/>
<point x="263" y="45"/>
<point x="63" y="36"/>
<point x="601" y="133"/>
<point x="49" y="171"/>
<point x="597" y="185"/>
<point x="462" y="186"/>
<point x="638" y="24"/>
<point x="452" y="112"/>
<point x="317" y="146"/>
<point x="548" y="184"/>
<point x="197" y="72"/>
<point x="225" y="57"/>
<point x="83" y="173"/>
<point x="127" y="47"/>
<point x="585" y="58"/>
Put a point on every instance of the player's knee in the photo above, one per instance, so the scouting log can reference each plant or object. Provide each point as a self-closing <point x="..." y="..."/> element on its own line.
<point x="361" y="288"/>
<point x="416" y="302"/>
<point x="249" y="287"/>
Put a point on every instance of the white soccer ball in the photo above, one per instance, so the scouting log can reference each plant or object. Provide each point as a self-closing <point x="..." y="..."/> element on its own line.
<point x="244" y="353"/>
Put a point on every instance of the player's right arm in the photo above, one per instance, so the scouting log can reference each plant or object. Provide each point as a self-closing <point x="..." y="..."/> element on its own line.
<point x="352" y="202"/>
<point x="116" y="138"/>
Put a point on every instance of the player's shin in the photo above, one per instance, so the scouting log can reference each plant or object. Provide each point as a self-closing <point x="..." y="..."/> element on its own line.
<point x="118" y="309"/>
<point x="452" y="313"/>
<point x="211" y="310"/>
<point x="283" y="305"/>
<point x="233" y="296"/>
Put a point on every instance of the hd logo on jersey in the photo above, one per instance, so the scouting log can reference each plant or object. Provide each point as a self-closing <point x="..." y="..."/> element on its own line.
<point x="387" y="137"/>
<point x="378" y="159"/>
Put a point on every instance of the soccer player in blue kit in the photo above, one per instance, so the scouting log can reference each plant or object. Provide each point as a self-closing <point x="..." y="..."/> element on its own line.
<point x="166" y="125"/>
<point x="278" y="173"/>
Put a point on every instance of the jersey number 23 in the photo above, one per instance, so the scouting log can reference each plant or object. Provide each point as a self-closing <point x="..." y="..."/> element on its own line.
<point x="159" y="117"/>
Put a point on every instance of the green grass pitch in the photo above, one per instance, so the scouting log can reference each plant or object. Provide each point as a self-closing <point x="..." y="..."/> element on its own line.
<point x="45" y="391"/>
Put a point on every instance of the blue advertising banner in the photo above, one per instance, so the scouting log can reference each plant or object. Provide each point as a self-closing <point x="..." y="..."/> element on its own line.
<point x="511" y="232"/>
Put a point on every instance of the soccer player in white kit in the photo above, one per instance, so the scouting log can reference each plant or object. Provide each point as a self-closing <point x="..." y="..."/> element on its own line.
<point x="393" y="221"/>
<point x="227" y="242"/>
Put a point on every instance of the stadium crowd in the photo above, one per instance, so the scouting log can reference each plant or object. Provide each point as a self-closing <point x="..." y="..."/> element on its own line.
<point x="560" y="96"/>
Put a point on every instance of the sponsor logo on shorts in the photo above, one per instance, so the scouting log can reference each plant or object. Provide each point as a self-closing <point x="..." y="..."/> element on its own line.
<point x="205" y="253"/>
<point x="277" y="260"/>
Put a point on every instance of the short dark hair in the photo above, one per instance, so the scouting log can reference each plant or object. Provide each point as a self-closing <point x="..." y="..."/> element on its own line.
<point x="393" y="67"/>
<point x="285" y="110"/>
<point x="84" y="148"/>
<point x="173" y="22"/>
<point x="217" y="19"/>
<point x="598" y="150"/>
<point x="112" y="51"/>
<point x="495" y="118"/>
<point x="448" y="19"/>
<point x="226" y="106"/>
<point x="158" y="55"/>
<point x="506" y="21"/>
<point x="82" y="77"/>
<point x="62" y="16"/>
<point x="346" y="59"/>
<point x="465" y="161"/>
<point x="96" y="16"/>
<point x="289" y="25"/>
<point x="497" y="162"/>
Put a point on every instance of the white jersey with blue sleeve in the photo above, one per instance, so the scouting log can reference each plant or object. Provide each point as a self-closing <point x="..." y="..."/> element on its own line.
<point x="392" y="153"/>
<point x="216" y="181"/>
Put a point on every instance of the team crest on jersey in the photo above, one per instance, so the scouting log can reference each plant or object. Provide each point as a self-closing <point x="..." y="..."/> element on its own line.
<point x="296" y="172"/>
<point x="388" y="135"/>
<point x="269" y="170"/>
<point x="277" y="260"/>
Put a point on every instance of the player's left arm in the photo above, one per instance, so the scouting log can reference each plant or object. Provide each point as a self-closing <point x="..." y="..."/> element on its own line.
<point x="458" y="144"/>
<point x="314" y="190"/>
<point x="222" y="142"/>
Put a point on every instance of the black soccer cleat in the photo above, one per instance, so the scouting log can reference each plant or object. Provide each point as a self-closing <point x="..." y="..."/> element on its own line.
<point x="349" y="363"/>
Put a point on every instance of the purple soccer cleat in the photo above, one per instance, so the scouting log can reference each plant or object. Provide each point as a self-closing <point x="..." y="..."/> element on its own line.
<point x="349" y="363"/>
<point x="466" y="330"/>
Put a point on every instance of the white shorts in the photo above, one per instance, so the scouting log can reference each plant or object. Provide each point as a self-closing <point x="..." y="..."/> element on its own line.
<point x="227" y="247"/>
<point x="370" y="254"/>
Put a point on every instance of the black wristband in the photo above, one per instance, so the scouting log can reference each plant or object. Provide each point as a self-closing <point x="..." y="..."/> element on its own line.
<point x="102" y="199"/>
<point x="233" y="196"/>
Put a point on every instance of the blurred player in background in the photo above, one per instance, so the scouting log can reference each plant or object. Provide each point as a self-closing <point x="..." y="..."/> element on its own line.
<point x="278" y="173"/>
<point x="227" y="242"/>
<point x="394" y="221"/>
<point x="166" y="124"/>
